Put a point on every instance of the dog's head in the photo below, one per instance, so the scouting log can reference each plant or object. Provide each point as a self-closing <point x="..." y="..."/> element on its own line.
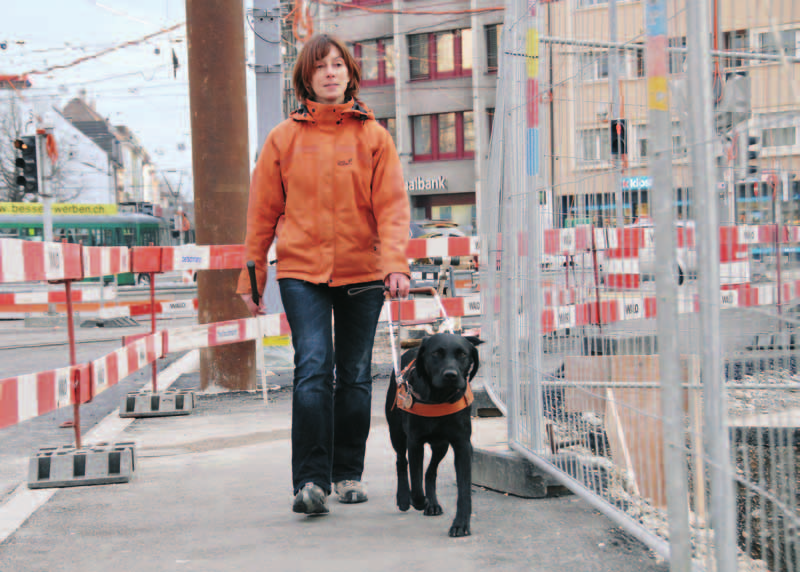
<point x="448" y="362"/>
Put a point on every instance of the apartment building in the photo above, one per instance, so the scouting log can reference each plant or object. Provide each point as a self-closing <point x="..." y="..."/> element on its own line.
<point x="766" y="120"/>
<point x="431" y="81"/>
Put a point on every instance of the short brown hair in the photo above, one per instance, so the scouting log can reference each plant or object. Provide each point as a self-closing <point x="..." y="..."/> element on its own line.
<point x="316" y="49"/>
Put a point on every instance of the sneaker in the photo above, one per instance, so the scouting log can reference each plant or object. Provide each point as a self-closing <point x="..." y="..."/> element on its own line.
<point x="310" y="500"/>
<point x="350" y="492"/>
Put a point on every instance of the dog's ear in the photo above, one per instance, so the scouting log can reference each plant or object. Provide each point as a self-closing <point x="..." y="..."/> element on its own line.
<point x="474" y="340"/>
<point x="476" y="362"/>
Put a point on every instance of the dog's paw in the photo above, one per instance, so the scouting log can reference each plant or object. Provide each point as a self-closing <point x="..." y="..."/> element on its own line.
<point x="458" y="530"/>
<point x="433" y="509"/>
<point x="419" y="503"/>
<point x="403" y="502"/>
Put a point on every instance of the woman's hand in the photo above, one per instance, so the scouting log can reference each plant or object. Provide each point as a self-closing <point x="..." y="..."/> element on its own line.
<point x="251" y="306"/>
<point x="398" y="284"/>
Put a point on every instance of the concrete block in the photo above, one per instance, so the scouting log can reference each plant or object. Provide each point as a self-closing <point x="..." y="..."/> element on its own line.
<point x="160" y="404"/>
<point x="45" y="321"/>
<point x="509" y="472"/>
<point x="483" y="406"/>
<point x="66" y="466"/>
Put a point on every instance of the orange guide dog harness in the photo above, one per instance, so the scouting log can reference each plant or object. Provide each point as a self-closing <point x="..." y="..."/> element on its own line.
<point x="408" y="400"/>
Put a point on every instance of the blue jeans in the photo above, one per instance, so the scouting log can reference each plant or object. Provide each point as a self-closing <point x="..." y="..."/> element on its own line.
<point x="330" y="421"/>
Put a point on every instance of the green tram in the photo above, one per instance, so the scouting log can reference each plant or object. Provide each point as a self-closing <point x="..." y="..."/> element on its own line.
<point x="102" y="230"/>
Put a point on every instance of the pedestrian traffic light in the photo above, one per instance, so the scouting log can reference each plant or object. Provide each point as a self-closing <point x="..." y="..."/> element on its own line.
<point x="752" y="156"/>
<point x="619" y="137"/>
<point x="27" y="175"/>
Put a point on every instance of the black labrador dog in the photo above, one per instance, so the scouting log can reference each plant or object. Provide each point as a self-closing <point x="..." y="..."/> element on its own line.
<point x="443" y="366"/>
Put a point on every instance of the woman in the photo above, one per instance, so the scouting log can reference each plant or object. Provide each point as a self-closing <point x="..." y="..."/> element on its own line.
<point x="331" y="174"/>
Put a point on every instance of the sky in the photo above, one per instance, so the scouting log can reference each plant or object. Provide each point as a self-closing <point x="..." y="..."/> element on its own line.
<point x="134" y="86"/>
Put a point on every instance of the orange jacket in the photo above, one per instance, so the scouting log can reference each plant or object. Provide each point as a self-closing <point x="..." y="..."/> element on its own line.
<point x="332" y="173"/>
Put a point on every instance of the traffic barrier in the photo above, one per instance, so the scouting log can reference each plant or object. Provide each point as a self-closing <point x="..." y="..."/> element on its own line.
<point x="57" y="297"/>
<point x="162" y="308"/>
<point x="105" y="260"/>
<point x="27" y="396"/>
<point x="25" y="261"/>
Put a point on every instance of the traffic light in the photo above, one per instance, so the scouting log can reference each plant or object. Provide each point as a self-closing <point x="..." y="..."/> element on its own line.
<point x="27" y="175"/>
<point x="619" y="137"/>
<point x="752" y="156"/>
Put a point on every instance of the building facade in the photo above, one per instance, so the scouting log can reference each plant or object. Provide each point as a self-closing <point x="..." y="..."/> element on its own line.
<point x="431" y="81"/>
<point x="756" y="107"/>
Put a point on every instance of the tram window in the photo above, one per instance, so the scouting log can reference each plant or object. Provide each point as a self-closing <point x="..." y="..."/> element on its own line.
<point x="83" y="236"/>
<point x="128" y="237"/>
<point x="9" y="232"/>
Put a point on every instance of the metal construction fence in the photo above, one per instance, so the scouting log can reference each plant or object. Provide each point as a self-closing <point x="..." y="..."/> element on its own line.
<point x="639" y="267"/>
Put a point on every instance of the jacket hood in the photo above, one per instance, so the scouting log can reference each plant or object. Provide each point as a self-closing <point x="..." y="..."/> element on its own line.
<point x="314" y="112"/>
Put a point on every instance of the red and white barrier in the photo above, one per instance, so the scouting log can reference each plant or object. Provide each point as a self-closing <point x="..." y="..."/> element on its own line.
<point x="56" y="297"/>
<point x="172" y="308"/>
<point x="24" y="261"/>
<point x="27" y="396"/>
<point x="110" y="369"/>
<point x="105" y="260"/>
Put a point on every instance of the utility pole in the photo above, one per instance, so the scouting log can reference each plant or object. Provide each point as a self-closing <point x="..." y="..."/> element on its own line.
<point x="221" y="168"/>
<point x="266" y="18"/>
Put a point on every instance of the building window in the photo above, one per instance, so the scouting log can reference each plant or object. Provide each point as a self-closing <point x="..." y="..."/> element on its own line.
<point x="677" y="59"/>
<point x="678" y="141"/>
<point x="376" y="59"/>
<point x="493" y="38"/>
<point x="788" y="39"/>
<point x="443" y="136"/>
<point x="390" y="124"/>
<point x="587" y="3"/>
<point x="735" y="41"/>
<point x="780" y="132"/>
<point x="639" y="67"/>
<point x="440" y="55"/>
<point x="490" y="119"/>
<point x="595" y="145"/>
<point x="594" y="65"/>
<point x="641" y="141"/>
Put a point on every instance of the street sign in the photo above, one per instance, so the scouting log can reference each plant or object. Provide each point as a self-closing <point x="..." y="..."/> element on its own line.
<point x="636" y="183"/>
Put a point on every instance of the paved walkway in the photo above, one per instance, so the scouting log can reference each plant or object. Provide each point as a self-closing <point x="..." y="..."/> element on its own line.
<point x="212" y="492"/>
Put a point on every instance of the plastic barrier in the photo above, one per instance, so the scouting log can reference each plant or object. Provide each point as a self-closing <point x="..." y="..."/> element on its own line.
<point x="23" y="261"/>
<point x="56" y="297"/>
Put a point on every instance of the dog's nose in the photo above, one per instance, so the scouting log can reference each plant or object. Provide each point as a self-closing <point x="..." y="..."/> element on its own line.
<point x="450" y="375"/>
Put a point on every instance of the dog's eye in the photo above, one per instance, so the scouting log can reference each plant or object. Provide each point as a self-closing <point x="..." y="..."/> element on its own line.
<point x="438" y="354"/>
<point x="461" y="354"/>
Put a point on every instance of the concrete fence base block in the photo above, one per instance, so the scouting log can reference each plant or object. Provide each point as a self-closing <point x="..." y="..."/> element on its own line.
<point x="66" y="466"/>
<point x="162" y="404"/>
<point x="483" y="406"/>
<point x="509" y="472"/>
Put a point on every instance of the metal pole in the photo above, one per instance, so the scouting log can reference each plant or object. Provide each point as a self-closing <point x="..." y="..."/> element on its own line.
<point x="266" y="16"/>
<point x="76" y="415"/>
<point x="717" y="446"/>
<point x="153" y="326"/>
<point x="220" y="163"/>
<point x="513" y="175"/>
<point x="613" y="84"/>
<point x="675" y="468"/>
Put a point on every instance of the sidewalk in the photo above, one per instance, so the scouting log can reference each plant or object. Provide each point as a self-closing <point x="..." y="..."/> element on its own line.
<point x="212" y="492"/>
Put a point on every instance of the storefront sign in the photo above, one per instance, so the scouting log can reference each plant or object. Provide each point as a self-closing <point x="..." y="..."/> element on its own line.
<point x="59" y="209"/>
<point x="636" y="183"/>
<point x="420" y="184"/>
